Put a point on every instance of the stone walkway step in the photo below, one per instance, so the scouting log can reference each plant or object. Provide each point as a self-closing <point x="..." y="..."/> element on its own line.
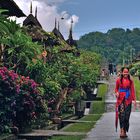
<point x="105" y="128"/>
<point x="114" y="101"/>
<point x="41" y="134"/>
<point x="102" y="82"/>
<point x="57" y="133"/>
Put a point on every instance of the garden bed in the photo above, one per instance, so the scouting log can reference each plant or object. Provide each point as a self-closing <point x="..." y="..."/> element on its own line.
<point x="96" y="110"/>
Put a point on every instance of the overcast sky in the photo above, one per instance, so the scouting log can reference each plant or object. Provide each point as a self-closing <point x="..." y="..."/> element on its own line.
<point x="88" y="15"/>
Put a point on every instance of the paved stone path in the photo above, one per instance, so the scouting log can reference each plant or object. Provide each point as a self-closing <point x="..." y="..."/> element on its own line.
<point x="110" y="96"/>
<point x="105" y="127"/>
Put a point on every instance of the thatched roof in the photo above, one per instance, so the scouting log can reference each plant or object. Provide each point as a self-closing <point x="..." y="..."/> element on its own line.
<point x="70" y="39"/>
<point x="67" y="48"/>
<point x="57" y="33"/>
<point x="31" y="20"/>
<point x="38" y="34"/>
<point x="11" y="6"/>
<point x="47" y="39"/>
<point x="71" y="42"/>
<point x="59" y="36"/>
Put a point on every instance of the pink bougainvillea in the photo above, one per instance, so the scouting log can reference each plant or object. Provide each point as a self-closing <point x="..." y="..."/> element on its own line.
<point x="20" y="100"/>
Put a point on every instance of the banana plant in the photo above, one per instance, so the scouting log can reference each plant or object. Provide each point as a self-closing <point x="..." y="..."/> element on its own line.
<point x="17" y="49"/>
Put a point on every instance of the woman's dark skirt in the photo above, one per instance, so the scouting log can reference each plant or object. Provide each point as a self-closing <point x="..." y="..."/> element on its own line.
<point x="124" y="115"/>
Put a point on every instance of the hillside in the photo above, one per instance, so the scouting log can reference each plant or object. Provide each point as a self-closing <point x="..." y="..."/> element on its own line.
<point x="116" y="43"/>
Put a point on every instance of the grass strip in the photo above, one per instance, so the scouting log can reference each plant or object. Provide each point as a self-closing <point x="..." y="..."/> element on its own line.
<point x="137" y="88"/>
<point x="102" y="90"/>
<point x="97" y="107"/>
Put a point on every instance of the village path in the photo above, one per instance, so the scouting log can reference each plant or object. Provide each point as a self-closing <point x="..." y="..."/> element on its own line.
<point x="105" y="127"/>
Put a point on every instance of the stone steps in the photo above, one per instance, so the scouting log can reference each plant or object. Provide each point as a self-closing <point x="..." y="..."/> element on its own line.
<point x="46" y="134"/>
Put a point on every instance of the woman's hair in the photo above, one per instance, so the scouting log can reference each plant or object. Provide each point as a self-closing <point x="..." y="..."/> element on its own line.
<point x="122" y="75"/>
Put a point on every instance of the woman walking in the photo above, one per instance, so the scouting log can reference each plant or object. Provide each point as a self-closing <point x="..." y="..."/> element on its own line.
<point x="125" y="94"/>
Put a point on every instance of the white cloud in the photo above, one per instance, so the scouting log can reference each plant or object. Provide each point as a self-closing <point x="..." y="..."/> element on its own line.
<point x="52" y="1"/>
<point x="47" y="12"/>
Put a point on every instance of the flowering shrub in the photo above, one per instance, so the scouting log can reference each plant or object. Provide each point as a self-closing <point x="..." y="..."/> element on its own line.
<point x="20" y="101"/>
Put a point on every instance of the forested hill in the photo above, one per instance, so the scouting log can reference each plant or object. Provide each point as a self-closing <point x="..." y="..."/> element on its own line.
<point x="116" y="43"/>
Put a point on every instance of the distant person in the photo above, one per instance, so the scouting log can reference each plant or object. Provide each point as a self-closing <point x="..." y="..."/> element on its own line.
<point x="110" y="68"/>
<point x="125" y="94"/>
<point x="114" y="70"/>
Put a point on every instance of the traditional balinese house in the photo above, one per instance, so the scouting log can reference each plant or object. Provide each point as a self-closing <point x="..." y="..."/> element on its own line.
<point x="12" y="8"/>
<point x="32" y="20"/>
<point x="71" y="42"/>
<point x="59" y="36"/>
<point x="35" y="30"/>
<point x="33" y="26"/>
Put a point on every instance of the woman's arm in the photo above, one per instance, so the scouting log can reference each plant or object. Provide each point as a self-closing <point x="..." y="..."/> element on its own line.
<point x="133" y="95"/>
<point x="117" y="87"/>
<point x="133" y="91"/>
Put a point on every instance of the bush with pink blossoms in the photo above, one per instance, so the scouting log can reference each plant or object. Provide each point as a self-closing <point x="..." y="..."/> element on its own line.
<point x="20" y="101"/>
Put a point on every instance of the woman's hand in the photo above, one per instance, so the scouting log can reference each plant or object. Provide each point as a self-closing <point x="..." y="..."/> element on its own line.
<point x="117" y="94"/>
<point x="135" y="104"/>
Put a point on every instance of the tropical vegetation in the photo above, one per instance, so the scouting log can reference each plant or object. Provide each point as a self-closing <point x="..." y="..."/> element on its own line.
<point x="115" y="43"/>
<point x="34" y="84"/>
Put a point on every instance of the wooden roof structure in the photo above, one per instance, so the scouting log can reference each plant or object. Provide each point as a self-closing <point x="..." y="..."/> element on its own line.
<point x="32" y="20"/>
<point x="59" y="36"/>
<point x="38" y="34"/>
<point x="12" y="7"/>
<point x="57" y="32"/>
<point x="70" y="39"/>
<point x="34" y="29"/>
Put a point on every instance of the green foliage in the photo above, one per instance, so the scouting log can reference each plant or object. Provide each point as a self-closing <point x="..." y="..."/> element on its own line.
<point x="135" y="69"/>
<point x="3" y="24"/>
<point x="61" y="72"/>
<point x="64" y="70"/>
<point x="116" y="43"/>
<point x="19" y="50"/>
<point x="137" y="87"/>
